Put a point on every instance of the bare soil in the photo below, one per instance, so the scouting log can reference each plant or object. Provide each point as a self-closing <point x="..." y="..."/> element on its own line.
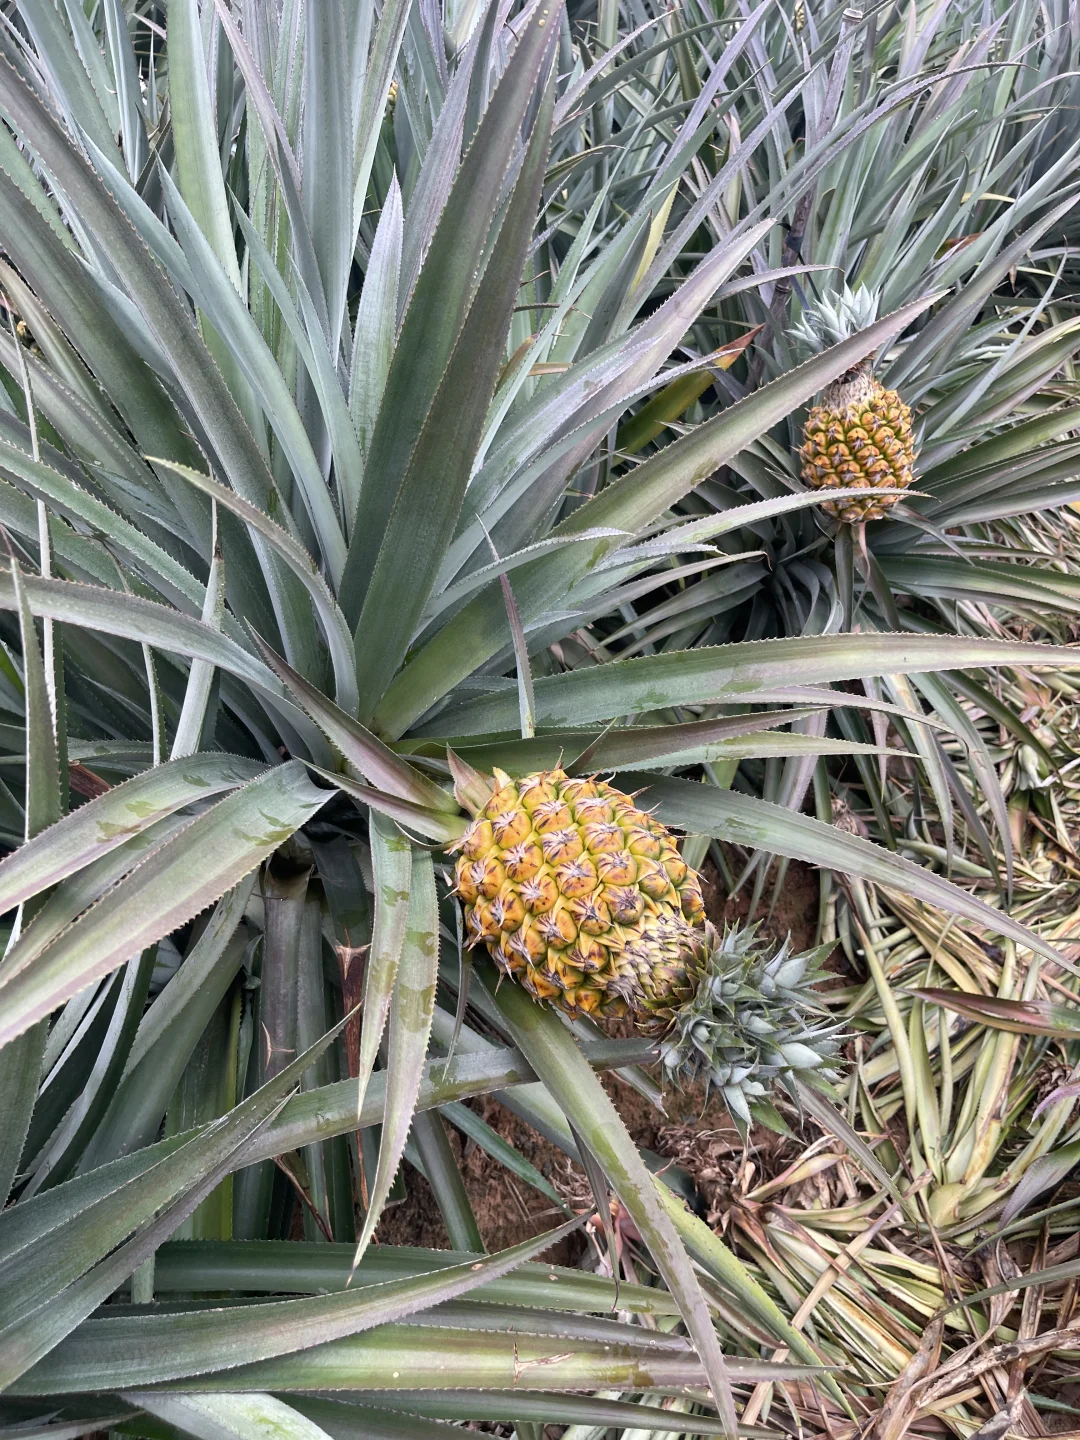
<point x="508" y="1211"/>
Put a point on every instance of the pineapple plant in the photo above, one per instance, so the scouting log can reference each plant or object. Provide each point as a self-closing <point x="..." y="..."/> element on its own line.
<point x="858" y="435"/>
<point x="991" y="374"/>
<point x="309" y="490"/>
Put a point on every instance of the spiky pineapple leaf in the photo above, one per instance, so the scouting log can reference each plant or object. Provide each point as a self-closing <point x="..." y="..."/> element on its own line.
<point x="745" y="820"/>
<point x="61" y="1275"/>
<point x="734" y="674"/>
<point x="169" y="1032"/>
<point x="142" y="1349"/>
<point x="1019" y="1017"/>
<point x="431" y="824"/>
<point x="544" y="1407"/>
<point x="189" y="871"/>
<point x="328" y="149"/>
<point x="552" y="1050"/>
<point x="338" y="639"/>
<point x="431" y="489"/>
<point x="412" y="1004"/>
<point x="406" y="1357"/>
<point x="429" y="1149"/>
<point x="227" y="1417"/>
<point x="286" y="1267"/>
<point x="98" y="827"/>
<point x="198" y="162"/>
<point x="61" y="60"/>
<point x="479" y="631"/>
<point x="376" y="326"/>
<point x="392" y="876"/>
<point x="169" y="322"/>
<point x="362" y="750"/>
<point x="444" y="296"/>
<point x="71" y="500"/>
<point x="20" y="1062"/>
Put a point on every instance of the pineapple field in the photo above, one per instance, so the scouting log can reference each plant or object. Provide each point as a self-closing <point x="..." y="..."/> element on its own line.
<point x="539" y="719"/>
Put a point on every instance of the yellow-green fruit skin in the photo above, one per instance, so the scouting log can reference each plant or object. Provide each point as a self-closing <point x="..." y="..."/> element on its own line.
<point x="575" y="892"/>
<point x="859" y="436"/>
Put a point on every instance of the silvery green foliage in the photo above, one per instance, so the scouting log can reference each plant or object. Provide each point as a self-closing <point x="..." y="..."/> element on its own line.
<point x="302" y="360"/>
<point x="835" y="317"/>
<point x="754" y="1022"/>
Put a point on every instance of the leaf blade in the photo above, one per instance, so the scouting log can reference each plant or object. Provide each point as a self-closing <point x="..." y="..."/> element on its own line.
<point x="631" y="503"/>
<point x="554" y="1054"/>
<point x="102" y="824"/>
<point x="745" y="820"/>
<point x="736" y="673"/>
<point x="185" y="874"/>
<point x="412" y="1007"/>
<point x="445" y="294"/>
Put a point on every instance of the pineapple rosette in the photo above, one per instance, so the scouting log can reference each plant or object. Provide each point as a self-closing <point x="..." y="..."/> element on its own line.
<point x="583" y="898"/>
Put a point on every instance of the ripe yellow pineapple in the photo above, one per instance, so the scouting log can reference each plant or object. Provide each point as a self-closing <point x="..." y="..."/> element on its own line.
<point x="574" y="890"/>
<point x="859" y="435"/>
<point x="584" y="900"/>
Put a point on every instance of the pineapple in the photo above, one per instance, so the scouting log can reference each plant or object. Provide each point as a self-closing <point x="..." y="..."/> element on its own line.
<point x="576" y="893"/>
<point x="860" y="435"/>
<point x="584" y="900"/>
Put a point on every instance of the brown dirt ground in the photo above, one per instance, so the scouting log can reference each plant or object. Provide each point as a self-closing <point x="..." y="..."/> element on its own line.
<point x="507" y="1211"/>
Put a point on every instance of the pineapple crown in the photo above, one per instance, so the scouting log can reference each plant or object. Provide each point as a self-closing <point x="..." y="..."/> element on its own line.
<point x="748" y="1024"/>
<point x="835" y="317"/>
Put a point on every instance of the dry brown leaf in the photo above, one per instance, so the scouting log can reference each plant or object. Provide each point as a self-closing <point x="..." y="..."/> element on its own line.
<point x="900" y="1406"/>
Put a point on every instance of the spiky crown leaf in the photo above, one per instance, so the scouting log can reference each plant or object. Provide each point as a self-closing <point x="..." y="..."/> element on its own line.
<point x="748" y="1026"/>
<point x="835" y="317"/>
